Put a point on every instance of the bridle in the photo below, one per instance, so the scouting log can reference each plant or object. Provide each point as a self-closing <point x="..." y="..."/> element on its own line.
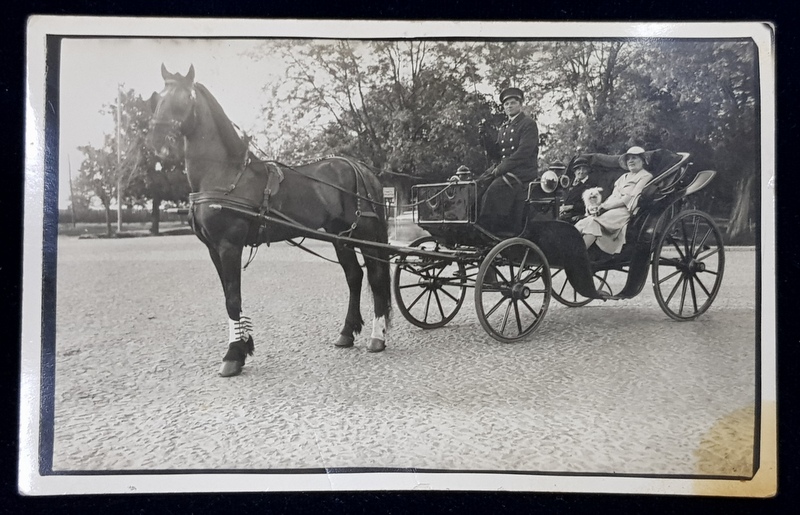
<point x="176" y="127"/>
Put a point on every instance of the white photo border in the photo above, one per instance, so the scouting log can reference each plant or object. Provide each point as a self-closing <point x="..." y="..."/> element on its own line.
<point x="36" y="234"/>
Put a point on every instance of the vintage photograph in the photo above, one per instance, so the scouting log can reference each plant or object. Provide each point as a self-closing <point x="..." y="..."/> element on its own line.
<point x="272" y="255"/>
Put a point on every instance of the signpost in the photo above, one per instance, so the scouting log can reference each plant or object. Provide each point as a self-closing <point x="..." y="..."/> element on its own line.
<point x="388" y="197"/>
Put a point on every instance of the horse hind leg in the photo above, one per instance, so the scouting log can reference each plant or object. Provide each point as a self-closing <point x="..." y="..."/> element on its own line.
<point x="379" y="282"/>
<point x="354" y="275"/>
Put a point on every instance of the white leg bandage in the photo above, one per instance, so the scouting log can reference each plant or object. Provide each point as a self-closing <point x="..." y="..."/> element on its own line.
<point x="239" y="329"/>
<point x="379" y="328"/>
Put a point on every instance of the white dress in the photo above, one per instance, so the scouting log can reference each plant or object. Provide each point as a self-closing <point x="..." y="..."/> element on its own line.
<point x="610" y="226"/>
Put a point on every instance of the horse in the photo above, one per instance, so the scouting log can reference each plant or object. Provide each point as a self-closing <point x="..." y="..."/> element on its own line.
<point x="231" y="187"/>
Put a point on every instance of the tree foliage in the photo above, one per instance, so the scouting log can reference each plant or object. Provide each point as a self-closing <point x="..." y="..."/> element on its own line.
<point x="401" y="106"/>
<point x="129" y="164"/>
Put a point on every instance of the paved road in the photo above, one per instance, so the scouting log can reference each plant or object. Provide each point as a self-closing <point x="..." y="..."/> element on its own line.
<point x="614" y="388"/>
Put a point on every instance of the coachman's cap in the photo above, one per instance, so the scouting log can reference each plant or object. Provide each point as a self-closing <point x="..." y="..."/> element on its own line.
<point x="633" y="151"/>
<point x="511" y="93"/>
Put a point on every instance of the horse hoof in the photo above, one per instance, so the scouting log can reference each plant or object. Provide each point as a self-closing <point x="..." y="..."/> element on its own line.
<point x="230" y="369"/>
<point x="344" y="341"/>
<point x="376" y="345"/>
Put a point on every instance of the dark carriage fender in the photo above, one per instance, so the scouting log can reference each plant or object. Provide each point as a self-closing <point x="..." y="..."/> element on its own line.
<point x="563" y="246"/>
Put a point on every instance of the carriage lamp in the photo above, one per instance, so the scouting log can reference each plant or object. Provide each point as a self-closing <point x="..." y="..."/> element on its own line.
<point x="549" y="181"/>
<point x="464" y="173"/>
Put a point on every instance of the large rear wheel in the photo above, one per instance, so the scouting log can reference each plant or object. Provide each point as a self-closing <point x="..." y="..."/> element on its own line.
<point x="428" y="291"/>
<point x="512" y="290"/>
<point x="688" y="264"/>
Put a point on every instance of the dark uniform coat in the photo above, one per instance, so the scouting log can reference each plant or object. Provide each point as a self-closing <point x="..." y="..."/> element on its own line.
<point x="517" y="147"/>
<point x="574" y="198"/>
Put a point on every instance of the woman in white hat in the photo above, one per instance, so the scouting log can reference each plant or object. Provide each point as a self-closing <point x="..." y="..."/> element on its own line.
<point x="606" y="228"/>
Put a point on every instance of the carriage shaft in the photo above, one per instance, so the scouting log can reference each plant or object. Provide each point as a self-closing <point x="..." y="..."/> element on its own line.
<point x="355" y="242"/>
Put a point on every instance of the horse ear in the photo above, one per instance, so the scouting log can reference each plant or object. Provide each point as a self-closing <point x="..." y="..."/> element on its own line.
<point x="190" y="74"/>
<point x="152" y="103"/>
<point x="164" y="73"/>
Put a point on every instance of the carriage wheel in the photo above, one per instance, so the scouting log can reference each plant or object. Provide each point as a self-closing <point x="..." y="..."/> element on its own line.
<point x="564" y="293"/>
<point x="688" y="264"/>
<point x="429" y="292"/>
<point x="512" y="290"/>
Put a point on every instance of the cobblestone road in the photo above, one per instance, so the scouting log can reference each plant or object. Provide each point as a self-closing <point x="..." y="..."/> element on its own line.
<point x="611" y="388"/>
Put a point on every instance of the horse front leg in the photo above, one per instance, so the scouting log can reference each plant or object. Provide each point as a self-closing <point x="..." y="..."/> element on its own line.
<point x="354" y="275"/>
<point x="240" y="340"/>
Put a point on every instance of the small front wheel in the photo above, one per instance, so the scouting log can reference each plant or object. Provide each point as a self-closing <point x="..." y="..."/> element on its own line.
<point x="428" y="291"/>
<point x="512" y="290"/>
<point x="688" y="263"/>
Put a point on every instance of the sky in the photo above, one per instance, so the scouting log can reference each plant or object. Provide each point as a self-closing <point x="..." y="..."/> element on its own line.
<point x="92" y="70"/>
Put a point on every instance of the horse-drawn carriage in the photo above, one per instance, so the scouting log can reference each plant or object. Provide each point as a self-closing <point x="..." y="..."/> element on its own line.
<point x="514" y="275"/>
<point x="240" y="200"/>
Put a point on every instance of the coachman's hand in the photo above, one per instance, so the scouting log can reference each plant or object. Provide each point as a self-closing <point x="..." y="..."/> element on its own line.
<point x="487" y="176"/>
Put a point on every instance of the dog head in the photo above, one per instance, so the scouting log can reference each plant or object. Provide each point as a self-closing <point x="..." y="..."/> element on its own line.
<point x="592" y="198"/>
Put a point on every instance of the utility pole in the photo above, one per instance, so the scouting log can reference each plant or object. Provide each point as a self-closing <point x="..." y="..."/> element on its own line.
<point x="119" y="159"/>
<point x="71" y="192"/>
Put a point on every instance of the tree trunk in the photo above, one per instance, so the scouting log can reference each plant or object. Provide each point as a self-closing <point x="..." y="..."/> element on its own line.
<point x="108" y="220"/>
<point x="156" y="215"/>
<point x="740" y="216"/>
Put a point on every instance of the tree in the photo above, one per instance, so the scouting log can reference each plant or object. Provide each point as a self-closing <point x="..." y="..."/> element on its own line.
<point x="96" y="177"/>
<point x="401" y="106"/>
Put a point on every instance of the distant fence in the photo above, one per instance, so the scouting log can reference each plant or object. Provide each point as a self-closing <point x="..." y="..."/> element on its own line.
<point x="94" y="216"/>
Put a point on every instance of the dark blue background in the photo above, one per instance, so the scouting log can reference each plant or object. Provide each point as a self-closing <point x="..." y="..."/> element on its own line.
<point x="12" y="68"/>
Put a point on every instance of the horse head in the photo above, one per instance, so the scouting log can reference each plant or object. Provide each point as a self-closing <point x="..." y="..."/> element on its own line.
<point x="174" y="112"/>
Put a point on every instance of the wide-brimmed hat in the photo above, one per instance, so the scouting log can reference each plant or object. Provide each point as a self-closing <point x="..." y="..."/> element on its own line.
<point x="633" y="151"/>
<point x="511" y="93"/>
<point x="581" y="161"/>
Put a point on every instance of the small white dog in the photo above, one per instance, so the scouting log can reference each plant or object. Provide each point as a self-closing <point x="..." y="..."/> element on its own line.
<point x="592" y="200"/>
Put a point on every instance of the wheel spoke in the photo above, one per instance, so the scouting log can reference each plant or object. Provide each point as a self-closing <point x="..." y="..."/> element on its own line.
<point x="449" y="295"/>
<point x="563" y="287"/>
<point x="428" y="305"/>
<point x="709" y="254"/>
<point x="505" y="317"/>
<point x="413" y="285"/>
<point x="694" y="293"/>
<point x="670" y="276"/>
<point x="532" y="275"/>
<point x="417" y="299"/>
<point x="491" y="311"/>
<point x="694" y="237"/>
<point x="674" y="289"/>
<point x="439" y="303"/>
<point x="685" y="238"/>
<point x="499" y="274"/>
<point x="523" y="263"/>
<point x="703" y="286"/>
<point x="702" y="242"/>
<point x="536" y="314"/>
<point x="675" y="244"/>
<point x="683" y="295"/>
<point x="519" y="321"/>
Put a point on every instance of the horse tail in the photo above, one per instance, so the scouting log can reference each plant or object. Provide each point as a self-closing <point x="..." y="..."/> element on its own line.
<point x="375" y="192"/>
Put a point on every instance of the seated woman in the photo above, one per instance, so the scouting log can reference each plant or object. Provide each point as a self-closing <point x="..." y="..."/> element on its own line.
<point x="606" y="228"/>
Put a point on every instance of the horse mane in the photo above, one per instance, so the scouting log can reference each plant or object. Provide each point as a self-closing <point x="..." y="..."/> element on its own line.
<point x="230" y="138"/>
